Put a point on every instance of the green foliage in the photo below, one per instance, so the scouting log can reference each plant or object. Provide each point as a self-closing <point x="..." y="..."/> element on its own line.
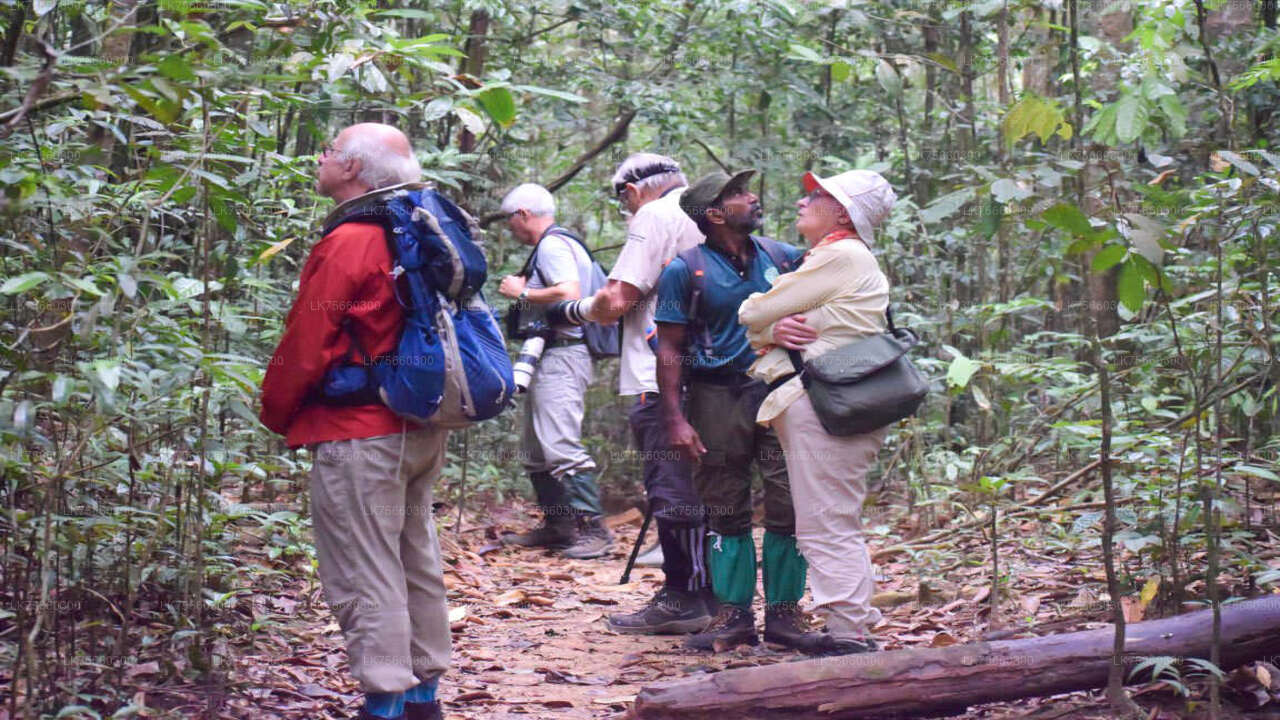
<point x="159" y="204"/>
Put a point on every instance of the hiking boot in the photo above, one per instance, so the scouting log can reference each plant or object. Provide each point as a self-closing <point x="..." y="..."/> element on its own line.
<point x="710" y="601"/>
<point x="557" y="530"/>
<point x="670" y="612"/>
<point x="593" y="541"/>
<point x="829" y="644"/>
<point x="732" y="626"/>
<point x="651" y="557"/>
<point x="784" y="625"/>
<point x="423" y="711"/>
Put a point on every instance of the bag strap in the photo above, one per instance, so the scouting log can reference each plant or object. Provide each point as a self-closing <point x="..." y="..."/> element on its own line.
<point x="697" y="263"/>
<point x="777" y="255"/>
<point x="552" y="230"/>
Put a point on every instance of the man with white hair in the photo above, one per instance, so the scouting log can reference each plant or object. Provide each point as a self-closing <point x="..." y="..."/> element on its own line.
<point x="372" y="472"/>
<point x="559" y="467"/>
<point x="648" y="187"/>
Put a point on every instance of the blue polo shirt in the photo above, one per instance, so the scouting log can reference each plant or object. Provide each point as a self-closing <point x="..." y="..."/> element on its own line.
<point x="723" y="291"/>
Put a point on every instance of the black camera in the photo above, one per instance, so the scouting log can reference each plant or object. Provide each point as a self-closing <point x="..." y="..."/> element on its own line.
<point x="526" y="320"/>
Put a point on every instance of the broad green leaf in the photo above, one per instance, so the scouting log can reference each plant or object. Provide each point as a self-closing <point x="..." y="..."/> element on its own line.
<point x="1069" y="218"/>
<point x="176" y="67"/>
<point x="946" y="206"/>
<point x="499" y="104"/>
<point x="23" y="283"/>
<point x="1108" y="257"/>
<point x="888" y="78"/>
<point x="1102" y="126"/>
<point x="1176" y="115"/>
<point x="437" y="108"/>
<point x="1129" y="286"/>
<point x="1034" y="114"/>
<point x="944" y="61"/>
<point x="840" y="71"/>
<point x="470" y="120"/>
<point x="1146" y="234"/>
<point x="980" y="397"/>
<point x="83" y="285"/>
<point x="1132" y="114"/>
<point x="558" y="94"/>
<point x="1005" y="190"/>
<point x="1257" y="472"/>
<point x="961" y="371"/>
<point x="806" y="54"/>
<point x="405" y="13"/>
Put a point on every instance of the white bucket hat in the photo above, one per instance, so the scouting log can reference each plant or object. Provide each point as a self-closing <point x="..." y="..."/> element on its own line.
<point x="864" y="194"/>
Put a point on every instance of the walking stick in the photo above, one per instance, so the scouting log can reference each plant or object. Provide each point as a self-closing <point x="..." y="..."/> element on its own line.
<point x="635" y="551"/>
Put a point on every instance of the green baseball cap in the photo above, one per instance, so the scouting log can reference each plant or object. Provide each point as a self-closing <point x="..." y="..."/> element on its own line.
<point x="710" y="188"/>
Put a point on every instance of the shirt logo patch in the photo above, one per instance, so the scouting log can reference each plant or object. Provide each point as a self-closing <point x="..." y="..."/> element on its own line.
<point x="770" y="275"/>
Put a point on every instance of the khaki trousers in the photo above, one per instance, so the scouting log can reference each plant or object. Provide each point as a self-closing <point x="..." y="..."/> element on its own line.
<point x="828" y="485"/>
<point x="551" y="429"/>
<point x="380" y="557"/>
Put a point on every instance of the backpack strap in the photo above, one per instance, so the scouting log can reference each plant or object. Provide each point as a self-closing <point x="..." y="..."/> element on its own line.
<point x="776" y="253"/>
<point x="696" y="261"/>
<point x="530" y="268"/>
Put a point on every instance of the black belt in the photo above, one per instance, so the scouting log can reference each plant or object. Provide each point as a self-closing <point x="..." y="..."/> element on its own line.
<point x="564" y="342"/>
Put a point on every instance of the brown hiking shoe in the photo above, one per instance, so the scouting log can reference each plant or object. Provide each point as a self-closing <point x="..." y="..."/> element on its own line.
<point x="785" y="625"/>
<point x="732" y="626"/>
<point x="670" y="612"/>
<point x="594" y="540"/>
<point x="556" y="531"/>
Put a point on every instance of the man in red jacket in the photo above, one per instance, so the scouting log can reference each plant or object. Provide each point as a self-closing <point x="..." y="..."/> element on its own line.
<point x="372" y="472"/>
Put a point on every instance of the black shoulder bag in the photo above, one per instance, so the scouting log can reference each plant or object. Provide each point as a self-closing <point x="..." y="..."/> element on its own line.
<point x="865" y="385"/>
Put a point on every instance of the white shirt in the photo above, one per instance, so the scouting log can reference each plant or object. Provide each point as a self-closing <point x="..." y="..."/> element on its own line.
<point x="657" y="232"/>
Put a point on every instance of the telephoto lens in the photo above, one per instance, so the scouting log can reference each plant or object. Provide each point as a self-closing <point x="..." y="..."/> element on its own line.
<point x="527" y="362"/>
<point x="570" y="312"/>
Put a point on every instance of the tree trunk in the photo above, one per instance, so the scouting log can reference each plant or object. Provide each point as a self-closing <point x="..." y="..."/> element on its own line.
<point x="477" y="51"/>
<point x="929" y="682"/>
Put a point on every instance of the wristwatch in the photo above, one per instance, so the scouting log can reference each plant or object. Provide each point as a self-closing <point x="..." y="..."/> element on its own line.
<point x="524" y="295"/>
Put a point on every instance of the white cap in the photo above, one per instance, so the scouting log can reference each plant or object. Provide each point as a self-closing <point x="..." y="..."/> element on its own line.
<point x="864" y="194"/>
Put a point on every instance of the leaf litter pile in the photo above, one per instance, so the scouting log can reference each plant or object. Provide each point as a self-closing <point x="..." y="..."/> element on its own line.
<point x="530" y="638"/>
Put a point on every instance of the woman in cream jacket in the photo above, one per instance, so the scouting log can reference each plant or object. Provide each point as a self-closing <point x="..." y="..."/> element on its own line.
<point x="835" y="297"/>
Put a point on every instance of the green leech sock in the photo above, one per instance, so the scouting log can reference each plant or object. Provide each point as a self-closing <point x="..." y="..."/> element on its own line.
<point x="732" y="560"/>
<point x="784" y="569"/>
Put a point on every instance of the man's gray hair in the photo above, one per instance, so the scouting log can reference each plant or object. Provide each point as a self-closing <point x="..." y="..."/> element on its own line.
<point x="379" y="166"/>
<point x="648" y="171"/>
<point x="532" y="197"/>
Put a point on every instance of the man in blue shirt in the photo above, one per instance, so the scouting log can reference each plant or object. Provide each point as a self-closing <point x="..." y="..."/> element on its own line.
<point x="701" y="345"/>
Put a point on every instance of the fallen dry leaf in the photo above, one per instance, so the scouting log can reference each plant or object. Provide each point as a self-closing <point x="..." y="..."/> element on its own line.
<point x="511" y="597"/>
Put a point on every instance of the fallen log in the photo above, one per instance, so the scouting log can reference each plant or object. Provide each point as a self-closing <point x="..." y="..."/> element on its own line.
<point x="931" y="682"/>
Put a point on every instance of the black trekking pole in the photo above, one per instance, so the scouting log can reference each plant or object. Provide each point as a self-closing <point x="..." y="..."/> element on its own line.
<point x="635" y="551"/>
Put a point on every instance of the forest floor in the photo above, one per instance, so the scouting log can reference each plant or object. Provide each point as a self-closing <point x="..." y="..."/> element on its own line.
<point x="530" y="638"/>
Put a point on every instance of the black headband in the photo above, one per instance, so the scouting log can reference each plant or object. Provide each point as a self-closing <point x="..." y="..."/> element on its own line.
<point x="637" y="174"/>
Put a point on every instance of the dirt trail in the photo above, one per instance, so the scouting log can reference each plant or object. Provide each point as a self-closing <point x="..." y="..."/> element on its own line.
<point x="530" y="638"/>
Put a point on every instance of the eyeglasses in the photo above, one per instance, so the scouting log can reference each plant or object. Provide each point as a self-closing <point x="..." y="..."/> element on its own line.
<point x="619" y="200"/>
<point x="328" y="150"/>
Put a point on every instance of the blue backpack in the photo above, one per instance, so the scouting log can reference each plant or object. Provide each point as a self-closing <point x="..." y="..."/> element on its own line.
<point x="450" y="367"/>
